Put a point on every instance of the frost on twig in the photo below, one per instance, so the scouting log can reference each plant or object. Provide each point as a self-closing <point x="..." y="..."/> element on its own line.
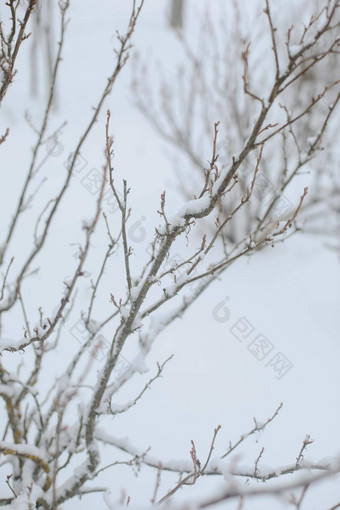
<point x="52" y="438"/>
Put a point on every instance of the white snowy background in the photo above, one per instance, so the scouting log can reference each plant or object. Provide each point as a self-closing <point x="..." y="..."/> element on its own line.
<point x="290" y="293"/>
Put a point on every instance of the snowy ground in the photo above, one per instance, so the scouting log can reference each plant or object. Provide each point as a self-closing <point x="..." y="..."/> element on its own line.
<point x="290" y="294"/>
